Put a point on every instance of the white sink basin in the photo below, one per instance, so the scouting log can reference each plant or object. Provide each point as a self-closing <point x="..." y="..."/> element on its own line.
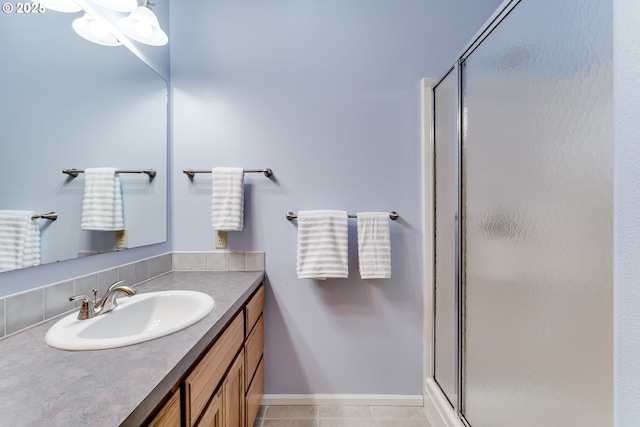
<point x="138" y="318"/>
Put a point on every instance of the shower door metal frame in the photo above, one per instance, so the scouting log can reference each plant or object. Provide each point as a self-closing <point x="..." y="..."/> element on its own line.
<point x="455" y="404"/>
<point x="460" y="283"/>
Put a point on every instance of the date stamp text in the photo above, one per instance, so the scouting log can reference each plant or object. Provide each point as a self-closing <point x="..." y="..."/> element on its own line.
<point x="23" y="8"/>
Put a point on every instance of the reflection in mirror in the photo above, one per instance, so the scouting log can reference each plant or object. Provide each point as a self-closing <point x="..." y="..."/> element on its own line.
<point x="69" y="103"/>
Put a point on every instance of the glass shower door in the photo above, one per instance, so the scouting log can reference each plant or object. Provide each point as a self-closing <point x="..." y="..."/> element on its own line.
<point x="446" y="211"/>
<point x="537" y="218"/>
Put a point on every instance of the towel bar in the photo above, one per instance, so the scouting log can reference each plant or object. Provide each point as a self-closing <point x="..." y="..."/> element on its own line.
<point x="75" y="172"/>
<point x="52" y="216"/>
<point x="191" y="172"/>
<point x="392" y="215"/>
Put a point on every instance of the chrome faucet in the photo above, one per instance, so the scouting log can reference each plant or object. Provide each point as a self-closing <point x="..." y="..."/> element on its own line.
<point x="107" y="303"/>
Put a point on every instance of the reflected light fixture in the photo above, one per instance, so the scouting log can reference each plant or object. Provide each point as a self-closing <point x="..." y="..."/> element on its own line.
<point x="67" y="6"/>
<point x="94" y="30"/>
<point x="142" y="25"/>
<point x="119" y="5"/>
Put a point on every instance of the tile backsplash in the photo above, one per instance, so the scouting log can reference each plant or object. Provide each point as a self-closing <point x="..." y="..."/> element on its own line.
<point x="218" y="261"/>
<point x="25" y="309"/>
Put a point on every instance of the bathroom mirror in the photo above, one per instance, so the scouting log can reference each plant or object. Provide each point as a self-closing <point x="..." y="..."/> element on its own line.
<point x="69" y="103"/>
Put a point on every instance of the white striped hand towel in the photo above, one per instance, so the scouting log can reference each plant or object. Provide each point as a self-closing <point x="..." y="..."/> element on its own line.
<point x="19" y="240"/>
<point x="323" y="250"/>
<point x="374" y="245"/>
<point x="227" y="201"/>
<point x="102" y="200"/>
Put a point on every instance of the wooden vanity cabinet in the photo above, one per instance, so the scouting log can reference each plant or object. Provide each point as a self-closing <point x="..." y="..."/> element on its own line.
<point x="253" y="351"/>
<point x="169" y="415"/>
<point x="224" y="388"/>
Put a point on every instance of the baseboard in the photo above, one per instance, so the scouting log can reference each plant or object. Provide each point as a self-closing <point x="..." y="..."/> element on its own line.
<point x="437" y="408"/>
<point x="343" y="399"/>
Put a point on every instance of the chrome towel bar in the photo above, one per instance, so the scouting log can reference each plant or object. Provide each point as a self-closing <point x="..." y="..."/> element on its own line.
<point x="191" y="172"/>
<point x="392" y="215"/>
<point x="75" y="172"/>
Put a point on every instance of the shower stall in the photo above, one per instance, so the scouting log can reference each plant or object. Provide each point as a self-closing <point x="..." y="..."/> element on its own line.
<point x="523" y="220"/>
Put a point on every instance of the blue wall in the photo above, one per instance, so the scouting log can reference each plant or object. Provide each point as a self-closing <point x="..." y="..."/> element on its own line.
<point x="327" y="94"/>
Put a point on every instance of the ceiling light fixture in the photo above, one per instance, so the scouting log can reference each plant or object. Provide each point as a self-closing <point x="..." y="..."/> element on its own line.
<point x="67" y="6"/>
<point x="142" y="25"/>
<point x="95" y="31"/>
<point x="119" y="5"/>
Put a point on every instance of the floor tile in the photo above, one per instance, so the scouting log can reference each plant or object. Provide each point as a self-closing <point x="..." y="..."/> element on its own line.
<point x="344" y="422"/>
<point x="291" y="422"/>
<point x="397" y="412"/>
<point x="344" y="412"/>
<point x="399" y="423"/>
<point x="291" y="412"/>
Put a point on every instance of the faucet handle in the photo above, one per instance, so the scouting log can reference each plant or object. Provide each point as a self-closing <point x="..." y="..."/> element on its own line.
<point x="87" y="309"/>
<point x="85" y="299"/>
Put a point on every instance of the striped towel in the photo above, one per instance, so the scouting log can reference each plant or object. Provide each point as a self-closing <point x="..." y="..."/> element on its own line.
<point x="322" y="245"/>
<point x="102" y="200"/>
<point x="19" y="240"/>
<point x="227" y="201"/>
<point x="374" y="245"/>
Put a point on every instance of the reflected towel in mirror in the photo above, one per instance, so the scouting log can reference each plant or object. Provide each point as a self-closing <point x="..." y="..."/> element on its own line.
<point x="102" y="200"/>
<point x="19" y="240"/>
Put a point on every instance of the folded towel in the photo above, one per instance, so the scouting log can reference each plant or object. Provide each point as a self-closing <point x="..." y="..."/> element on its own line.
<point x="102" y="200"/>
<point x="19" y="240"/>
<point x="227" y="201"/>
<point x="374" y="245"/>
<point x="322" y="244"/>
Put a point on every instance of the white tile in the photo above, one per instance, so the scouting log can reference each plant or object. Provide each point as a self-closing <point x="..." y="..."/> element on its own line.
<point x="236" y="261"/>
<point x="24" y="310"/>
<point x="56" y="299"/>
<point x="255" y="261"/>
<point x="197" y="261"/>
<point x="217" y="261"/>
<point x="180" y="262"/>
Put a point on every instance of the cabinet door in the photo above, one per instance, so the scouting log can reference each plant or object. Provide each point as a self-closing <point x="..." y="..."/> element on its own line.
<point x="233" y="394"/>
<point x="254" y="395"/>
<point x="212" y="416"/>
<point x="169" y="415"/>
<point x="207" y="375"/>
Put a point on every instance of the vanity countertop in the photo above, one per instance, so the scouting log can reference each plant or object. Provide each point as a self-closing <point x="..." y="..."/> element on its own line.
<point x="40" y="385"/>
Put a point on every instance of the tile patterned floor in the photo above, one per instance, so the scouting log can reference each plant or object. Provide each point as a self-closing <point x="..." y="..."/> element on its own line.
<point x="341" y="416"/>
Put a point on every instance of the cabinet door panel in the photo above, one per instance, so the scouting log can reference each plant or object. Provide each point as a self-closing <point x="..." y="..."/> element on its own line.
<point x="254" y="394"/>
<point x="204" y="379"/>
<point x="212" y="416"/>
<point x="233" y="394"/>
<point x="169" y="415"/>
<point x="253" y="351"/>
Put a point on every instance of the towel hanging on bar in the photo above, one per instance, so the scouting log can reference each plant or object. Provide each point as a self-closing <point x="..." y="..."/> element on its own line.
<point x="374" y="245"/>
<point x="227" y="199"/>
<point x="323" y="250"/>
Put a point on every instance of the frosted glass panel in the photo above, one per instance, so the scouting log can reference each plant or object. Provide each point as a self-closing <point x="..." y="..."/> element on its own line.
<point x="537" y="152"/>
<point x="446" y="207"/>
